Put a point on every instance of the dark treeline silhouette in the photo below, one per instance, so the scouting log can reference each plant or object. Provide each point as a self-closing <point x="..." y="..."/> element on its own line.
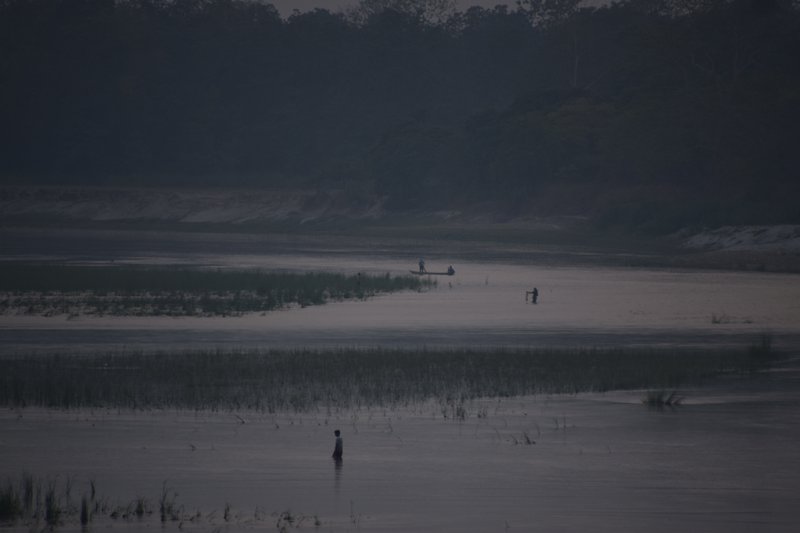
<point x="653" y="114"/>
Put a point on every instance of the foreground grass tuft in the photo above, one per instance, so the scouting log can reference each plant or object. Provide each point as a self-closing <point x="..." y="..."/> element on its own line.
<point x="10" y="503"/>
<point x="48" y="512"/>
<point x="21" y="499"/>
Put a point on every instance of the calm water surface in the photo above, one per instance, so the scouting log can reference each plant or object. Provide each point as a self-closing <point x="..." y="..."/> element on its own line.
<point x="726" y="461"/>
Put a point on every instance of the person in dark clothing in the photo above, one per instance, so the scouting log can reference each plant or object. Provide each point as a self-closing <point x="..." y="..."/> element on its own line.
<point x="534" y="295"/>
<point x="337" y="450"/>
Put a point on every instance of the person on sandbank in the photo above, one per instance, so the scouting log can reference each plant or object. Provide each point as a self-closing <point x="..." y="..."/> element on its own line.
<point x="534" y="294"/>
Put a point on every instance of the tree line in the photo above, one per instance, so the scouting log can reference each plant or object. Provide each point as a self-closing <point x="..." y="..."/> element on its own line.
<point x="648" y="113"/>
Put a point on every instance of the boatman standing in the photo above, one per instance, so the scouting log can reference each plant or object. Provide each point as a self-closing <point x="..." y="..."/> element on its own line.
<point x="421" y="265"/>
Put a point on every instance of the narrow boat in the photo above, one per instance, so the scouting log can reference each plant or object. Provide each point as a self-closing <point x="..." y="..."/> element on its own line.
<point x="427" y="273"/>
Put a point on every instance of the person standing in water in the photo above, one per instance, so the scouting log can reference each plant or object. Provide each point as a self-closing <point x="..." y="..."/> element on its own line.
<point x="337" y="450"/>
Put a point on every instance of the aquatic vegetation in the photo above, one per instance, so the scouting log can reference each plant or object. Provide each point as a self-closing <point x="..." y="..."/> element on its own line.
<point x="15" y="509"/>
<point x="53" y="289"/>
<point x="85" y="513"/>
<point x="166" y="504"/>
<point x="52" y="505"/>
<point x="661" y="398"/>
<point x="303" y="380"/>
<point x="22" y="499"/>
<point x="10" y="503"/>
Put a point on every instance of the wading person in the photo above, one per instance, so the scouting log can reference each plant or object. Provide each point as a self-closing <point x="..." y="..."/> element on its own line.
<point x="337" y="449"/>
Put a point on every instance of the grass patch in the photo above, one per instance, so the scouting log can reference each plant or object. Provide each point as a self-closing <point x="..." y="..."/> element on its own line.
<point x="302" y="380"/>
<point x="661" y="398"/>
<point x="35" y="500"/>
<point x="50" y="508"/>
<point x="52" y="289"/>
<point x="10" y="503"/>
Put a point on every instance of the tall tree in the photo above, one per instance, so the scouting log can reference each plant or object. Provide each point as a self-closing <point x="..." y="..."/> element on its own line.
<point x="546" y="13"/>
<point x="429" y="11"/>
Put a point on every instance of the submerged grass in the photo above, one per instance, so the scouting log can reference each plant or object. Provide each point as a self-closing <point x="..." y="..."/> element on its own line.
<point x="661" y="398"/>
<point x="303" y="380"/>
<point x="48" y="289"/>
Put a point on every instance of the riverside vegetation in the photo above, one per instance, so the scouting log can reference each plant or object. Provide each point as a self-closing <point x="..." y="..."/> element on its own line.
<point x="51" y="502"/>
<point x="339" y="379"/>
<point x="536" y="108"/>
<point x="54" y="289"/>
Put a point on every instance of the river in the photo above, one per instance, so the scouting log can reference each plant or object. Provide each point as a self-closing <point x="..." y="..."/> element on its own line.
<point x="726" y="460"/>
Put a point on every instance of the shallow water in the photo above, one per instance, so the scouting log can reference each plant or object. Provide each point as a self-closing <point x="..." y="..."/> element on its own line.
<point x="726" y="460"/>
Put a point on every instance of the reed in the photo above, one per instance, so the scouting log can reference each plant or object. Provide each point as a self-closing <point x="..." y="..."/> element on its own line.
<point x="52" y="289"/>
<point x="301" y="380"/>
<point x="10" y="503"/>
<point x="52" y="505"/>
<point x="166" y="504"/>
<point x="54" y="515"/>
<point x="20" y="500"/>
<point x="85" y="512"/>
<point x="660" y="399"/>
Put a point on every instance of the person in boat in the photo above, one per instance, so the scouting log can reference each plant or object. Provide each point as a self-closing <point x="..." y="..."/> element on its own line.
<point x="450" y="270"/>
<point x="421" y="265"/>
<point x="337" y="449"/>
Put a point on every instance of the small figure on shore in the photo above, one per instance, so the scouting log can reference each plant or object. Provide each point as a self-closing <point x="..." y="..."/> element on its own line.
<point x="421" y="265"/>
<point x="534" y="295"/>
<point x="451" y="270"/>
<point x="337" y="449"/>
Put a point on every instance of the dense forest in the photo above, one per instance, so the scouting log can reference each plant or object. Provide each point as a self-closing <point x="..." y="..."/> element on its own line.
<point x="654" y="114"/>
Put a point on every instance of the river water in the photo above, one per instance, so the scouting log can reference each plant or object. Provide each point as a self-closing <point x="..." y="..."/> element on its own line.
<point x="726" y="460"/>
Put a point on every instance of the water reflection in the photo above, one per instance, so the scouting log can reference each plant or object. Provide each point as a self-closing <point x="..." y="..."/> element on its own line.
<point x="337" y="477"/>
